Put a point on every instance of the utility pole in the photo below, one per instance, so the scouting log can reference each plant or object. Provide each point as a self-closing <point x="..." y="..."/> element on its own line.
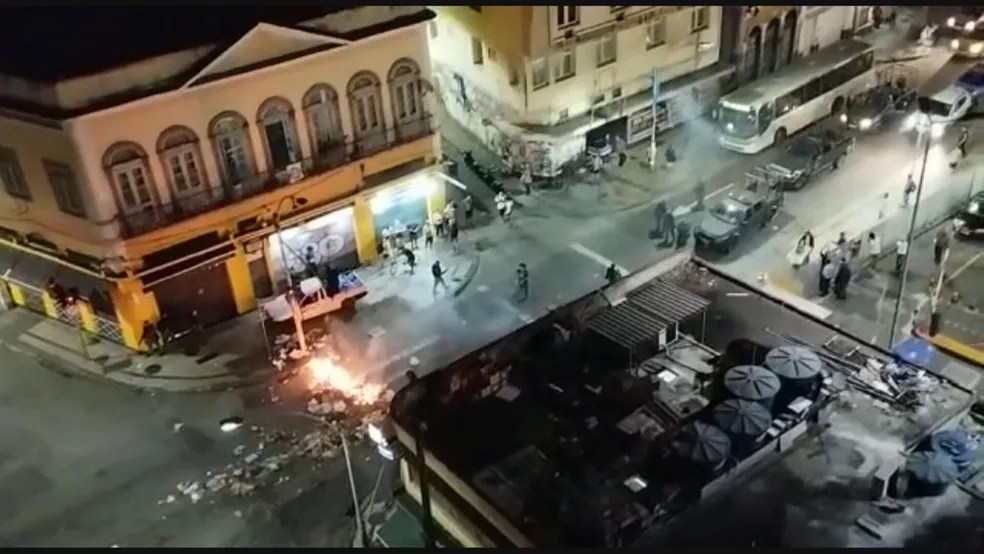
<point x="425" y="502"/>
<point x="910" y="233"/>
<point x="290" y="294"/>
<point x="361" y="540"/>
<point x="652" y="111"/>
<point x="935" y="317"/>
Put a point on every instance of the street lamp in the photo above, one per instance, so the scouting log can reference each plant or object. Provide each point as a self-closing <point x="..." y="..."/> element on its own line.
<point x="290" y="294"/>
<point x="923" y="103"/>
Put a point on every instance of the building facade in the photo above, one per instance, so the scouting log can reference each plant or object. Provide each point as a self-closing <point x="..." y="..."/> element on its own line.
<point x="539" y="82"/>
<point x="821" y="26"/>
<point x="163" y="184"/>
<point x="769" y="34"/>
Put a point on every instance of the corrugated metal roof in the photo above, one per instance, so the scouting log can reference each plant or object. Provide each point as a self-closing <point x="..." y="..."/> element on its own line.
<point x="626" y="325"/>
<point x="668" y="301"/>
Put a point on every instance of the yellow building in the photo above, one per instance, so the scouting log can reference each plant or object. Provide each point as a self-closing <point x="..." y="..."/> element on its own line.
<point x="152" y="175"/>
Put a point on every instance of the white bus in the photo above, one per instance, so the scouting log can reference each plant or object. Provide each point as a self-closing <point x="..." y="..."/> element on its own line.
<point x="768" y="110"/>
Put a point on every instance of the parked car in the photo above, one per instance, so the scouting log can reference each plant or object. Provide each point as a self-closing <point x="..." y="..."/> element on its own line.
<point x="809" y="154"/>
<point x="969" y="223"/>
<point x="316" y="300"/>
<point x="972" y="81"/>
<point x="735" y="216"/>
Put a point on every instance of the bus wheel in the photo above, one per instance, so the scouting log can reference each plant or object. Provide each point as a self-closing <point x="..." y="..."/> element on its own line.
<point x="780" y="135"/>
<point x="838" y="106"/>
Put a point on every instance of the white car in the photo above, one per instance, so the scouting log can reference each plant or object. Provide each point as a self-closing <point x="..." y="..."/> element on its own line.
<point x="315" y="300"/>
<point x="945" y="107"/>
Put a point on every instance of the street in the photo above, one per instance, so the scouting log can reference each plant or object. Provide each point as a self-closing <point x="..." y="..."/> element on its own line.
<point x="92" y="464"/>
<point x="86" y="462"/>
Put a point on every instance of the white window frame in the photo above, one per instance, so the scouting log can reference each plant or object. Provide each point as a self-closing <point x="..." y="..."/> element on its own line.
<point x="539" y="73"/>
<point x="194" y="181"/>
<point x="278" y="113"/>
<point x="12" y="175"/>
<point x="566" y="16"/>
<point x="700" y="19"/>
<point x="406" y="99"/>
<point x="240" y="155"/>
<point x="656" y="32"/>
<point x="65" y="188"/>
<point x="125" y="178"/>
<point x="606" y="49"/>
<point x="367" y="116"/>
<point x="565" y="65"/>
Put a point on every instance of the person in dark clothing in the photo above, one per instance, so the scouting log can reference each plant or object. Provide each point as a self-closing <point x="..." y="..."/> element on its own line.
<point x="962" y="141"/>
<point x="331" y="281"/>
<point x="622" y="158"/>
<point x="659" y="212"/>
<point x="612" y="274"/>
<point x="910" y="187"/>
<point x="827" y="273"/>
<point x="150" y="337"/>
<point x="453" y="235"/>
<point x="411" y="259"/>
<point x="438" y="272"/>
<point x="522" y="282"/>
<point x="940" y="245"/>
<point x="841" y="280"/>
<point x="469" y="209"/>
<point x="428" y="236"/>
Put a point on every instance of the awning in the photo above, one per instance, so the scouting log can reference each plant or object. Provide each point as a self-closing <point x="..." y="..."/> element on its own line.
<point x="35" y="271"/>
<point x="668" y="301"/>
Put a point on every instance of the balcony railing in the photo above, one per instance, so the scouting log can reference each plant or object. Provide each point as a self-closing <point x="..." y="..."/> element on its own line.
<point x="329" y="157"/>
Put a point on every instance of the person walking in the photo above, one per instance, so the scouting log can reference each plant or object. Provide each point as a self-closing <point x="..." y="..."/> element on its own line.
<point x="410" y="258"/>
<point x="437" y="220"/>
<point x="901" y="251"/>
<point x="522" y="282"/>
<point x="827" y="274"/>
<point x="941" y="243"/>
<point x="527" y="179"/>
<point x="428" y="236"/>
<point x="854" y="247"/>
<point x="883" y="206"/>
<point x="910" y="187"/>
<point x="612" y="274"/>
<point x="874" y="249"/>
<point x="962" y="141"/>
<point x="438" y="272"/>
<point x="500" y="204"/>
<point x="841" y="279"/>
<point x="699" y="191"/>
<point x="469" y="209"/>
<point x="622" y="158"/>
<point x="841" y="239"/>
<point x="453" y="235"/>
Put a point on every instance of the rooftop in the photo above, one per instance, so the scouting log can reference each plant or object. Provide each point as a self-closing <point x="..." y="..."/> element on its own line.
<point x="577" y="443"/>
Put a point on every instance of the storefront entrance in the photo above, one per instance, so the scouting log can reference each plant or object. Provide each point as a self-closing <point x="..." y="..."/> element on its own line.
<point x="402" y="205"/>
<point x="206" y="290"/>
<point x="328" y="240"/>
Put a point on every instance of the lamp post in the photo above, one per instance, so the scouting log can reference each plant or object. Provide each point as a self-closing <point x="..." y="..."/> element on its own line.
<point x="652" y="127"/>
<point x="290" y="294"/>
<point x="912" y="222"/>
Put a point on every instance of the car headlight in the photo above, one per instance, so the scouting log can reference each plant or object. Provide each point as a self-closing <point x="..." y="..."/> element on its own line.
<point x="976" y="48"/>
<point x="951" y="22"/>
<point x="865" y="124"/>
<point x="958" y="223"/>
<point x="969" y="26"/>
<point x="936" y="130"/>
<point x="910" y="122"/>
<point x="730" y="127"/>
<point x="955" y="44"/>
<point x="843" y="118"/>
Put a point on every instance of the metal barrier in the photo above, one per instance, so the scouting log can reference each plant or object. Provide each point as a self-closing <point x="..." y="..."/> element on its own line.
<point x="33" y="298"/>
<point x="108" y="329"/>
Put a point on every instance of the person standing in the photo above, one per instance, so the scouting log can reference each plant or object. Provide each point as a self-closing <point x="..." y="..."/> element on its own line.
<point x="500" y="204"/>
<point x="699" y="191"/>
<point x="527" y="179"/>
<point x="883" y="206"/>
<point x="901" y="251"/>
<point x="874" y="249"/>
<point x="523" y="282"/>
<point x="453" y="235"/>
<point x="469" y="208"/>
<point x="612" y="274"/>
<point x="941" y="243"/>
<point x="437" y="219"/>
<point x="428" y="236"/>
<point x="841" y="279"/>
<point x="827" y="274"/>
<point x="438" y="272"/>
<point x="962" y="141"/>
<point x="622" y="158"/>
<point x="910" y="187"/>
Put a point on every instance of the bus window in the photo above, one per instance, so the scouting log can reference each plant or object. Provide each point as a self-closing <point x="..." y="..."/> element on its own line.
<point x="787" y="102"/>
<point x="811" y="90"/>
<point x="764" y="117"/>
<point x="738" y="122"/>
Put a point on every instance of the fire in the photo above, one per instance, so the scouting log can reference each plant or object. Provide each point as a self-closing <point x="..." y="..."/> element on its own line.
<point x="328" y="374"/>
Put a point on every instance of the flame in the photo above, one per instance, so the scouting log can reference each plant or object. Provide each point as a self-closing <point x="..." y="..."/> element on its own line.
<point x="327" y="373"/>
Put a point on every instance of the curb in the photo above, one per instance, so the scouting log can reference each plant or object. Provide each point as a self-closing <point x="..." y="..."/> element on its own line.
<point x="139" y="382"/>
<point x="469" y="275"/>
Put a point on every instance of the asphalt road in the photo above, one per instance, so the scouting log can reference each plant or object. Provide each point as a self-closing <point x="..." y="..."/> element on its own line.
<point x="85" y="463"/>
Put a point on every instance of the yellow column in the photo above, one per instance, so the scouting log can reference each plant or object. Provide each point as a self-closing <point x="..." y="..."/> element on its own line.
<point x="16" y="294"/>
<point x="365" y="231"/>
<point x="436" y="198"/>
<point x="133" y="307"/>
<point x="50" y="309"/>
<point x="87" y="317"/>
<point x="242" y="284"/>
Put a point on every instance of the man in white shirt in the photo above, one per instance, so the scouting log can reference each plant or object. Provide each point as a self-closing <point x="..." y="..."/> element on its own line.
<point x="901" y="251"/>
<point x="874" y="249"/>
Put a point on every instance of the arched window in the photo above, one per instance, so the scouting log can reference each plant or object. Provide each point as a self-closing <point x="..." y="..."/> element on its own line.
<point x="181" y="158"/>
<point x="323" y="119"/>
<point x="276" y="120"/>
<point x="126" y="164"/>
<point x="232" y="148"/>
<point x="404" y="82"/>
<point x="368" y="124"/>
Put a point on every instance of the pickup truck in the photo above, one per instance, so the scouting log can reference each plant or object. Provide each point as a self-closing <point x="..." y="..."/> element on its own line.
<point x="735" y="216"/>
<point x="315" y="299"/>
<point x="810" y="154"/>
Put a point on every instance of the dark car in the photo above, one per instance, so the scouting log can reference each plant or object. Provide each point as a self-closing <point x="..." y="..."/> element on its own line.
<point x="969" y="223"/>
<point x="868" y="111"/>
<point x="810" y="154"/>
<point x="973" y="81"/>
<point x="735" y="216"/>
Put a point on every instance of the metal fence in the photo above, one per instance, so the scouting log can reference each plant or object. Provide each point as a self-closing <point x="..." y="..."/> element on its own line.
<point x="108" y="329"/>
